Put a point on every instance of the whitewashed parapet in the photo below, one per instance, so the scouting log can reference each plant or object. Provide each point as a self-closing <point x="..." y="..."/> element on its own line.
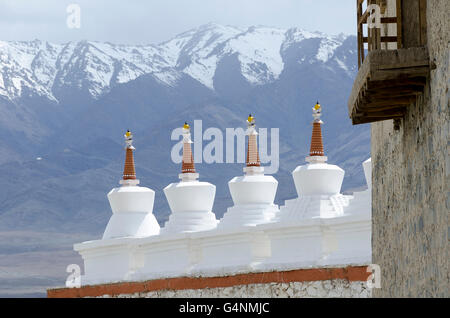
<point x="307" y="243"/>
<point x="317" y="230"/>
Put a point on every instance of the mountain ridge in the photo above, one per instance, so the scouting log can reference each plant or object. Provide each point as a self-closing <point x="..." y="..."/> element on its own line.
<point x="45" y="67"/>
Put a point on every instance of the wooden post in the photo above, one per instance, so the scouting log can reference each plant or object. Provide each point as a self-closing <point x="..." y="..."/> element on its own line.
<point x="359" y="33"/>
<point x="423" y="21"/>
<point x="398" y="12"/>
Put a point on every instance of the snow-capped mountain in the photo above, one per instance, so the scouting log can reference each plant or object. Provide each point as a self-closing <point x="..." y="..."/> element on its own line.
<point x="43" y="68"/>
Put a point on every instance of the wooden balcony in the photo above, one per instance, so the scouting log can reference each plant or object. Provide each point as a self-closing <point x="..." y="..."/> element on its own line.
<point x="387" y="82"/>
<point x="393" y="64"/>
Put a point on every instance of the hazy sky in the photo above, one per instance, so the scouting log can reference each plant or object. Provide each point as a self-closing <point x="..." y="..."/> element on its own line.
<point x="152" y="21"/>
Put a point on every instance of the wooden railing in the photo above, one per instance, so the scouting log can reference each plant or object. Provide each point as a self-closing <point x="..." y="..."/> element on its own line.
<point x="374" y="37"/>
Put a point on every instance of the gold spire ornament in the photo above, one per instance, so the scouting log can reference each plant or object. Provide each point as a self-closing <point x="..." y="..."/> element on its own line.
<point x="250" y="119"/>
<point x="317" y="106"/>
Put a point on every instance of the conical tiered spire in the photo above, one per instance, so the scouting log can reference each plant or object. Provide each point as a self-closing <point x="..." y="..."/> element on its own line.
<point x="252" y="148"/>
<point x="129" y="171"/>
<point x="316" y="138"/>
<point x="316" y="152"/>
<point x="187" y="165"/>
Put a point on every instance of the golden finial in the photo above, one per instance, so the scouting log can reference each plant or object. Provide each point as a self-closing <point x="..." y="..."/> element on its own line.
<point x="250" y="118"/>
<point x="186" y="125"/>
<point x="129" y="139"/>
<point x="317" y="106"/>
<point x="317" y="112"/>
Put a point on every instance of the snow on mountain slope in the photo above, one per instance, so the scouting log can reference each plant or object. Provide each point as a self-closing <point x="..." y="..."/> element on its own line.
<point x="40" y="67"/>
<point x="97" y="66"/>
<point x="327" y="47"/>
<point x="28" y="65"/>
<point x="259" y="53"/>
<point x="295" y="35"/>
<point x="199" y="51"/>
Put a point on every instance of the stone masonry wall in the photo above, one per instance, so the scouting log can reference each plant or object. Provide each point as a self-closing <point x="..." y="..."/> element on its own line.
<point x="328" y="288"/>
<point x="410" y="177"/>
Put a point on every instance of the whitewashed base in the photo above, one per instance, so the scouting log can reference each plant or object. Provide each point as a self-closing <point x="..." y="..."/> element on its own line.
<point x="107" y="261"/>
<point x="166" y="256"/>
<point x="230" y="252"/>
<point x="189" y="221"/>
<point x="248" y="215"/>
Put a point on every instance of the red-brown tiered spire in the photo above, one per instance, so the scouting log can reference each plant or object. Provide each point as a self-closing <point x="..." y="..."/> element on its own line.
<point x="252" y="147"/>
<point x="187" y="165"/>
<point x="129" y="171"/>
<point x="316" y="138"/>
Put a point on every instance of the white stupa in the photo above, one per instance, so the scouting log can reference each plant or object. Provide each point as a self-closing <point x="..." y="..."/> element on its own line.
<point x="112" y="258"/>
<point x="190" y="200"/>
<point x="318" y="183"/>
<point x="132" y="205"/>
<point x="253" y="193"/>
<point x="334" y="231"/>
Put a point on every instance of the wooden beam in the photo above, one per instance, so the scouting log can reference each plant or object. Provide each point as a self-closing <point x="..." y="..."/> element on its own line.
<point x="393" y="104"/>
<point x="419" y="81"/>
<point x="385" y="110"/>
<point x="366" y="108"/>
<point x="371" y="101"/>
<point x="363" y="18"/>
<point x="380" y="95"/>
<point x="406" y="64"/>
<point x="398" y="89"/>
<point x="385" y="20"/>
<point x="385" y="116"/>
<point x="361" y="120"/>
<point x="383" y="39"/>
<point x="367" y="120"/>
<point x="388" y="74"/>
<point x="399" y="112"/>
